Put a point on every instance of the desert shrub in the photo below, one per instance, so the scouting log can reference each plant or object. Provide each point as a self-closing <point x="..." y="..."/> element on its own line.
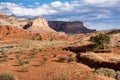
<point x="20" y="62"/>
<point x="63" y="58"/>
<point x="7" y="76"/>
<point x="32" y="56"/>
<point x="3" y="52"/>
<point x="71" y="57"/>
<point x="106" y="72"/>
<point x="62" y="76"/>
<point x="3" y="59"/>
<point x="118" y="75"/>
<point x="20" y="52"/>
<point x="45" y="57"/>
<point x="33" y="51"/>
<point x="24" y="69"/>
<point x="43" y="62"/>
<point x="17" y="56"/>
<point x="100" y="40"/>
<point x="90" y="55"/>
<point x="67" y="58"/>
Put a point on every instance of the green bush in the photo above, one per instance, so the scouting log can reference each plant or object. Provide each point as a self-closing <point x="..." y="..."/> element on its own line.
<point x="100" y="40"/>
<point x="7" y="76"/>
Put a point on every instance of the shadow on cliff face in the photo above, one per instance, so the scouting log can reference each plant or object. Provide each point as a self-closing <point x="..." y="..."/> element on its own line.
<point x="79" y="49"/>
<point x="27" y="25"/>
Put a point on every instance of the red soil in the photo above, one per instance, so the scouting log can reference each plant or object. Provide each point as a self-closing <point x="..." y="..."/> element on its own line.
<point x="52" y="70"/>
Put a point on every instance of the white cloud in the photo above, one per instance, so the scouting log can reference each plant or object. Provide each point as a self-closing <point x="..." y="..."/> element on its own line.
<point x="57" y="4"/>
<point x="63" y="19"/>
<point x="84" y="10"/>
<point x="37" y="3"/>
<point x="45" y="9"/>
<point x="96" y="1"/>
<point x="102" y="3"/>
<point x="23" y="11"/>
<point x="102" y="26"/>
<point x="55" y="7"/>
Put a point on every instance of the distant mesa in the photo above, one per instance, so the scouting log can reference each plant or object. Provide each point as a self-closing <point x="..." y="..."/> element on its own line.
<point x="69" y="27"/>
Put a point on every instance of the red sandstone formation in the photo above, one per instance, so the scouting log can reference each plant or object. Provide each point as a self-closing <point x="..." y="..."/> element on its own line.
<point x="4" y="17"/>
<point x="13" y="32"/>
<point x="39" y="25"/>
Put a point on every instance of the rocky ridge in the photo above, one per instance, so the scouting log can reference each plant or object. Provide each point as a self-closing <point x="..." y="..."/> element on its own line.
<point x="38" y="30"/>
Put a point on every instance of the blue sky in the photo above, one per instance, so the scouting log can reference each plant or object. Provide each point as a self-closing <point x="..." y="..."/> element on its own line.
<point x="31" y="2"/>
<point x="96" y="14"/>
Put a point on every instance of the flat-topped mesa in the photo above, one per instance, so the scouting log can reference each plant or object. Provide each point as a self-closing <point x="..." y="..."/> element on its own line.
<point x="39" y="25"/>
<point x="69" y="27"/>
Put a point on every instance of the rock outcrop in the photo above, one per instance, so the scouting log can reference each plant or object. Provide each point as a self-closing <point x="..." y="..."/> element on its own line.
<point x="39" y="25"/>
<point x="4" y="20"/>
<point x="69" y="27"/>
<point x="4" y="17"/>
<point x="18" y="22"/>
<point x="13" y="21"/>
<point x="37" y="29"/>
<point x="13" y="32"/>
